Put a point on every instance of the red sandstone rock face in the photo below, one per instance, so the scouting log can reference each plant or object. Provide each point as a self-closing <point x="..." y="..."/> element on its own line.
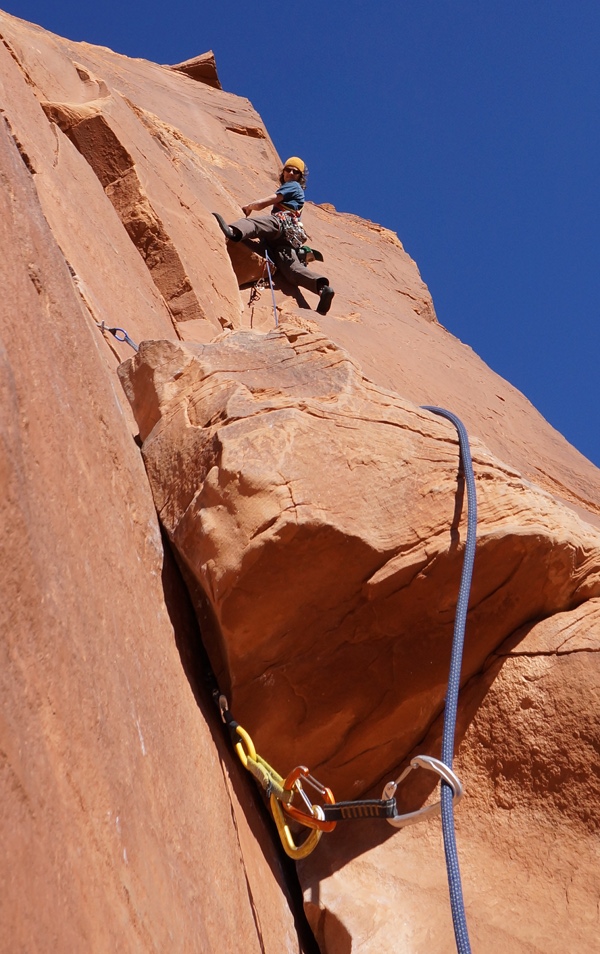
<point x="527" y="828"/>
<point x="356" y="560"/>
<point x="126" y="823"/>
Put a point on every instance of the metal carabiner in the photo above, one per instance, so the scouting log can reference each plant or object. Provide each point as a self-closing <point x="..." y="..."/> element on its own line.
<point x="119" y="333"/>
<point x="314" y="818"/>
<point x="433" y="765"/>
<point x="250" y="752"/>
<point x="292" y="850"/>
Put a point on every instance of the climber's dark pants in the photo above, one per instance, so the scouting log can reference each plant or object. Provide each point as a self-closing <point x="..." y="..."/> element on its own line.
<point x="266" y="228"/>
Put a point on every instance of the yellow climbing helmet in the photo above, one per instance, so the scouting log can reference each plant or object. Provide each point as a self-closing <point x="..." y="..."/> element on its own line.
<point x="295" y="162"/>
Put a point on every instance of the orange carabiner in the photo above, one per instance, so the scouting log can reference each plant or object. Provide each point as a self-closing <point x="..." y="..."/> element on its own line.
<point x="311" y="818"/>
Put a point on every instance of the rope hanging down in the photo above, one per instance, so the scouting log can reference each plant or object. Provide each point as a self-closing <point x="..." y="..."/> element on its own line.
<point x="459" y="921"/>
<point x="270" y="262"/>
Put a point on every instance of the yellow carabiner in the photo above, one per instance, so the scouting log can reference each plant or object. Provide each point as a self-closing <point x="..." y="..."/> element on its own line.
<point x="297" y="852"/>
<point x="239" y="748"/>
<point x="266" y="776"/>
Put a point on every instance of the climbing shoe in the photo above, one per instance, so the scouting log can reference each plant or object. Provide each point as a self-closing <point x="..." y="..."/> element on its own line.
<point x="229" y="233"/>
<point x="325" y="298"/>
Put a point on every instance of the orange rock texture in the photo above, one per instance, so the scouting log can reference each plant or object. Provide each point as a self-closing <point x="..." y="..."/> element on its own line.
<point x="356" y="560"/>
<point x="289" y="475"/>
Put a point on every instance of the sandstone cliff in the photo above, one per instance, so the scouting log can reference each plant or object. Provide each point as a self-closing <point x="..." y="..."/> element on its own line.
<point x="314" y="510"/>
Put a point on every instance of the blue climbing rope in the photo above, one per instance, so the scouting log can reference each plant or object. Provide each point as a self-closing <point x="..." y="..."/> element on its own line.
<point x="459" y="920"/>
<point x="269" y="263"/>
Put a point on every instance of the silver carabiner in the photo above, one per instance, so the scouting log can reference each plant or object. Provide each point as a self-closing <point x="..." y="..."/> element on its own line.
<point x="433" y="765"/>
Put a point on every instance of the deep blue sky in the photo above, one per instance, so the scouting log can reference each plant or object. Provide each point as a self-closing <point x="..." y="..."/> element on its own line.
<point x="469" y="128"/>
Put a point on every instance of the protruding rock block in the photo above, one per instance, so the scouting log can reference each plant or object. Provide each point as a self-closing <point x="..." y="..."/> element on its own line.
<point x="249" y="266"/>
<point x="323" y="519"/>
<point x="202" y="68"/>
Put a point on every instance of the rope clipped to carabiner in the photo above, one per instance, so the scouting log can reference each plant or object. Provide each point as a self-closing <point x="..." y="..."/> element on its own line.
<point x="434" y="765"/>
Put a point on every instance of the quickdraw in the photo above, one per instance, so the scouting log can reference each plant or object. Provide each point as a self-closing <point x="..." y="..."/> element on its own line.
<point x="284" y="794"/>
<point x="259" y="286"/>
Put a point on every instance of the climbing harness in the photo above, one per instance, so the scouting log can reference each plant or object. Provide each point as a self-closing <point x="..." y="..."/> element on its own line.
<point x="288" y="797"/>
<point x="119" y="333"/>
<point x="292" y="228"/>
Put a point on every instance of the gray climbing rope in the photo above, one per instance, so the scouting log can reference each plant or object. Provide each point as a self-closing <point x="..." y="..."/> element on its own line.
<point x="459" y="920"/>
<point x="269" y="263"/>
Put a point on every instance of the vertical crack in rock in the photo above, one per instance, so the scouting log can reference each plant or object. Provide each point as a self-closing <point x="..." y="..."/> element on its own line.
<point x="22" y="152"/>
<point x="251" y="901"/>
<point x="114" y="166"/>
<point x="26" y="76"/>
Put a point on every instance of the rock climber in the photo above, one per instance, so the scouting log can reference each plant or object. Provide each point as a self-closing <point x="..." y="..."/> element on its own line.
<point x="282" y="231"/>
